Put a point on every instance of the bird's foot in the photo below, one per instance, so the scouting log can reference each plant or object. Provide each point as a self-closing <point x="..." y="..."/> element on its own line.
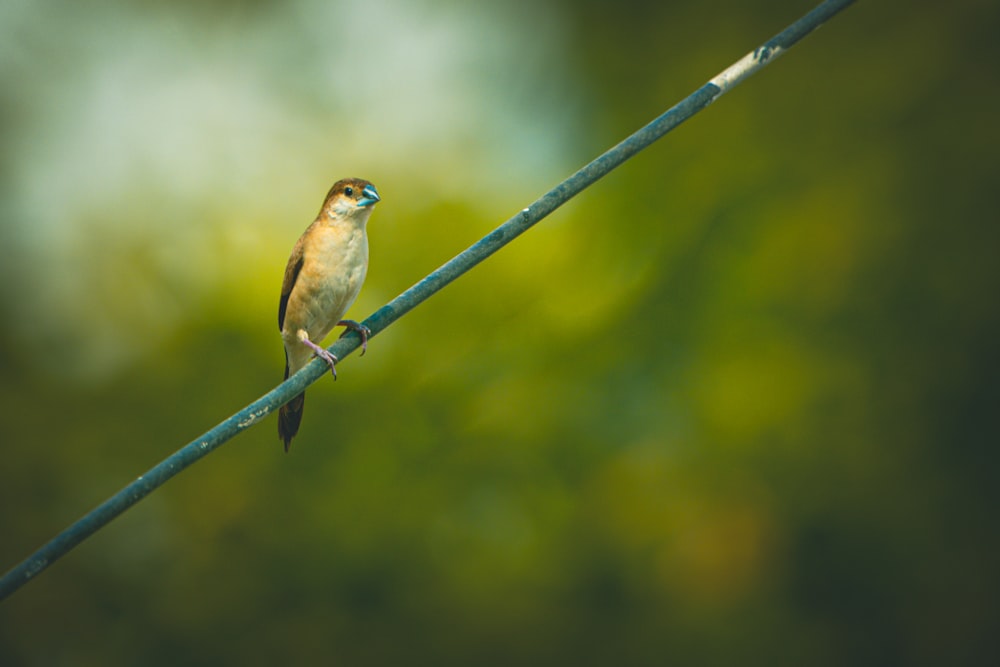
<point x="324" y="354"/>
<point x="362" y="330"/>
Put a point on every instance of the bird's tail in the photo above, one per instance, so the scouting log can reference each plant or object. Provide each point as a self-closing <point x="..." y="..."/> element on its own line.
<point x="290" y="414"/>
<point x="289" y="418"/>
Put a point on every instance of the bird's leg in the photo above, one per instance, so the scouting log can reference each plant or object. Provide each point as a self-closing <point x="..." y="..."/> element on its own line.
<point x="362" y="330"/>
<point x="320" y="352"/>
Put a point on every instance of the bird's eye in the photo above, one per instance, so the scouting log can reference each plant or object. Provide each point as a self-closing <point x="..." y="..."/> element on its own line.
<point x="349" y="191"/>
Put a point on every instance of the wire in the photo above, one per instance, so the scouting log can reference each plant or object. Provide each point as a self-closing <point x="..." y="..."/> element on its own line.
<point x="415" y="295"/>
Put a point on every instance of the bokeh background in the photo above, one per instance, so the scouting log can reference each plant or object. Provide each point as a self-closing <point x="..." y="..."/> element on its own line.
<point x="734" y="404"/>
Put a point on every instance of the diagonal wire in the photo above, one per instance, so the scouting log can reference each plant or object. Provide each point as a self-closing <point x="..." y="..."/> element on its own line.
<point x="392" y="311"/>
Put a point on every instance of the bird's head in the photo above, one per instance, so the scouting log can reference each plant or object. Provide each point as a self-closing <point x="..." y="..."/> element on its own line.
<point x="350" y="197"/>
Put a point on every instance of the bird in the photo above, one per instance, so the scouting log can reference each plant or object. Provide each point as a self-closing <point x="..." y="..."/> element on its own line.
<point x="322" y="279"/>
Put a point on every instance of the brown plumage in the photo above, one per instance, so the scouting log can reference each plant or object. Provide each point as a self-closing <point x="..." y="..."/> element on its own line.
<point x="322" y="279"/>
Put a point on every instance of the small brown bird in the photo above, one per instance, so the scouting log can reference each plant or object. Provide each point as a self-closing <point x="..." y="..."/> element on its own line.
<point x="323" y="277"/>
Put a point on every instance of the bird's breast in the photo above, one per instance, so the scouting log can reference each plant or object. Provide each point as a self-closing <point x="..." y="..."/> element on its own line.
<point x="333" y="271"/>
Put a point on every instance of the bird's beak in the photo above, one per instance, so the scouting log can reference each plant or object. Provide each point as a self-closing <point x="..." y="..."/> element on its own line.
<point x="370" y="196"/>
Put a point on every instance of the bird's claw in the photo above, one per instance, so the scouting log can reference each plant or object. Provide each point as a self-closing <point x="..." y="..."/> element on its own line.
<point x="363" y="331"/>
<point x="325" y="355"/>
<point x="330" y="359"/>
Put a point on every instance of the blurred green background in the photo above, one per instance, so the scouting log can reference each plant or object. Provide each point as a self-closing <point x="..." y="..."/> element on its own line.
<point x="735" y="404"/>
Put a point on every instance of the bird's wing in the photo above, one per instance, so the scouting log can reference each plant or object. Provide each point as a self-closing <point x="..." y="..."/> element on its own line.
<point x="291" y="274"/>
